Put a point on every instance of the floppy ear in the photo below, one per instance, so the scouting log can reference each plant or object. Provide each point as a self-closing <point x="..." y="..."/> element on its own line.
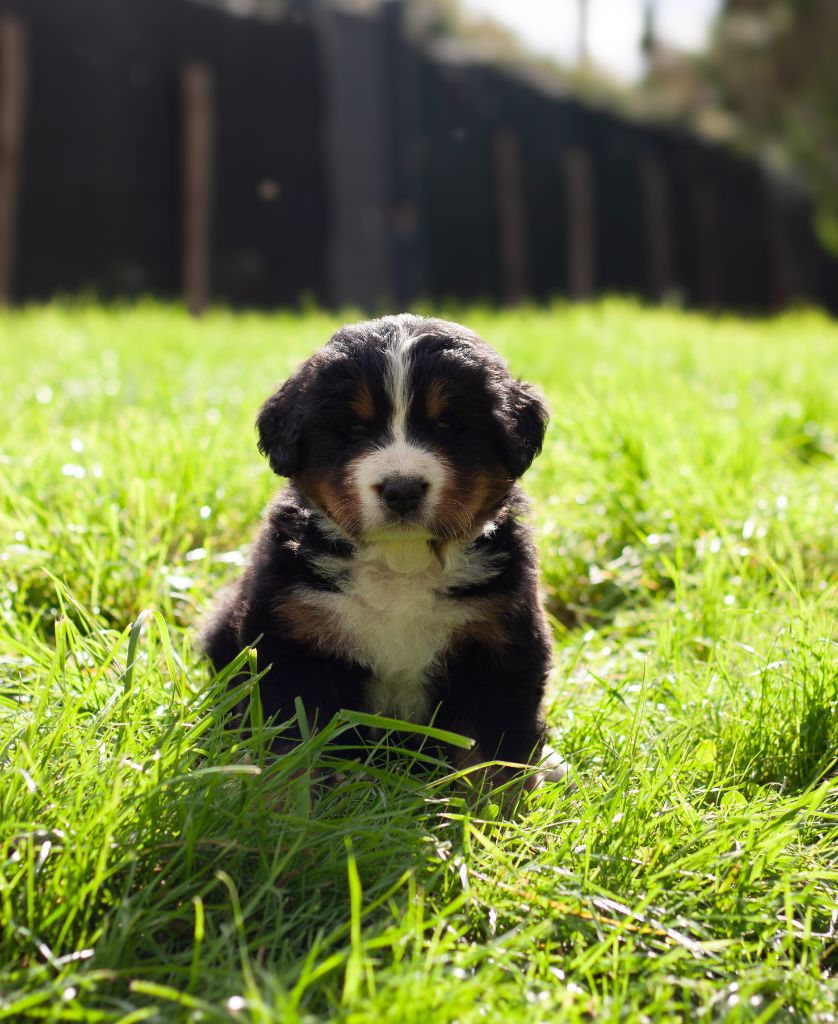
<point x="522" y="419"/>
<point x="280" y="427"/>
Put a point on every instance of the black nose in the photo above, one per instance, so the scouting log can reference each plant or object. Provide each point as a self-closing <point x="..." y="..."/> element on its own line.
<point x="402" y="493"/>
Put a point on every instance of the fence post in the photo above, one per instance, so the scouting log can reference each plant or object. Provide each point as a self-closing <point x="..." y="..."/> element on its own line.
<point x="581" y="218"/>
<point x="656" y="215"/>
<point x="705" y="218"/>
<point x="12" y="114"/>
<point x="196" y="159"/>
<point x="509" y="200"/>
<point x="777" y="280"/>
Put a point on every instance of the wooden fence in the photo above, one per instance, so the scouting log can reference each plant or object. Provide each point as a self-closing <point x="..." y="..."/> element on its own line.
<point x="159" y="146"/>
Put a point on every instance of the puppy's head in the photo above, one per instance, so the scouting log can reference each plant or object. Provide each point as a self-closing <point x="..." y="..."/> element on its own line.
<point x="404" y="425"/>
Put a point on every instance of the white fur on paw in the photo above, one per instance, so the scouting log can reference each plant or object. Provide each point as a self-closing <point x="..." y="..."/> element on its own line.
<point x="551" y="767"/>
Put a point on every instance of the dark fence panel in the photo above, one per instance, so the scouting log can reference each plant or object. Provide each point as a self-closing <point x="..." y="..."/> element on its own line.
<point x="610" y="205"/>
<point x="99" y="193"/>
<point x="457" y="200"/>
<point x="100" y="205"/>
<point x="271" y="208"/>
<point x="349" y="165"/>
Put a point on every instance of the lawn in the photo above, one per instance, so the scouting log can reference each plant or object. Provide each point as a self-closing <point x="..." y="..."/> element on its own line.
<point x="157" y="866"/>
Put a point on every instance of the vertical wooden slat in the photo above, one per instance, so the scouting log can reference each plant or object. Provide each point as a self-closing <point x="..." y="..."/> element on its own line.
<point x="196" y="154"/>
<point x="511" y="214"/>
<point x="580" y="197"/>
<point x="12" y="115"/>
<point x="654" y="193"/>
<point x="776" y="290"/>
<point x="704" y="211"/>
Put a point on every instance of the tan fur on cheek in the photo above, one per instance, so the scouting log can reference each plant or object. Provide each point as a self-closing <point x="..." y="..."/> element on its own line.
<point x="337" y="498"/>
<point x="467" y="502"/>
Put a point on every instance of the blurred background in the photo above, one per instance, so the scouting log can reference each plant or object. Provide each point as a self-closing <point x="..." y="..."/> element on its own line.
<point x="276" y="152"/>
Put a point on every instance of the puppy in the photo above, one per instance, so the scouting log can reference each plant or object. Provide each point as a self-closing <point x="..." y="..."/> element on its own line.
<point x="393" y="574"/>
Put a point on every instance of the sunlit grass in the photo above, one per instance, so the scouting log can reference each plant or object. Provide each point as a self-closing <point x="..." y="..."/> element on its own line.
<point x="155" y="865"/>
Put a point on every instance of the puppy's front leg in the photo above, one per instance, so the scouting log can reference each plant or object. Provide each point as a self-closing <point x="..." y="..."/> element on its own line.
<point x="496" y="698"/>
<point x="323" y="683"/>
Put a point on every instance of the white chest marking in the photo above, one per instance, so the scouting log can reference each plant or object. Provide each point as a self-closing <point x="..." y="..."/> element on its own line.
<point x="399" y="624"/>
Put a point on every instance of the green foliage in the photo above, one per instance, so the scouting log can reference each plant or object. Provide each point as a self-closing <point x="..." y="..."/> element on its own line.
<point x="157" y="866"/>
<point x="773" y="66"/>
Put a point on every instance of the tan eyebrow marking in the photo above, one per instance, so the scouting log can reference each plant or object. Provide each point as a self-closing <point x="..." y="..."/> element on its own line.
<point x="362" y="404"/>
<point x="436" y="401"/>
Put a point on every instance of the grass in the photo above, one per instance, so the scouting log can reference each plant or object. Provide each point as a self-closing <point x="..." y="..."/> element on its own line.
<point x="155" y="866"/>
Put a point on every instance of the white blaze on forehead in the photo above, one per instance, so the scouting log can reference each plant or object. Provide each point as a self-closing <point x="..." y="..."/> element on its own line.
<point x="398" y="371"/>
<point x="397" y="456"/>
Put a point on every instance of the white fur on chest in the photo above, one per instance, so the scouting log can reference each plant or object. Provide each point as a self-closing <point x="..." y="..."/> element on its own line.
<point x="399" y="624"/>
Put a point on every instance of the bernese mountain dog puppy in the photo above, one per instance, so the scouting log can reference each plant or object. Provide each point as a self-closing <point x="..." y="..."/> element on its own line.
<point x="393" y="573"/>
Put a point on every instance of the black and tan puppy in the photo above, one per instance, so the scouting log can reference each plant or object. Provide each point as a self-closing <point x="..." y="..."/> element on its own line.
<point x="392" y="574"/>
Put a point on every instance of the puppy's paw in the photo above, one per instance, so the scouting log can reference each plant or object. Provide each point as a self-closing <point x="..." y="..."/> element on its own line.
<point x="551" y="768"/>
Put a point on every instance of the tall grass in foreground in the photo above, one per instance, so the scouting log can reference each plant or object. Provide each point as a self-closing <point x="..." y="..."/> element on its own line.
<point x="155" y="865"/>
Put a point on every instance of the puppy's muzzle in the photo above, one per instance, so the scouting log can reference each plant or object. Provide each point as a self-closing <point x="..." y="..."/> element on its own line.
<point x="403" y="494"/>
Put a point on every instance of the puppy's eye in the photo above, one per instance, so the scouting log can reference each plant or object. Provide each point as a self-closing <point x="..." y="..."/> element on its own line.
<point x="358" y="429"/>
<point x="444" y="426"/>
